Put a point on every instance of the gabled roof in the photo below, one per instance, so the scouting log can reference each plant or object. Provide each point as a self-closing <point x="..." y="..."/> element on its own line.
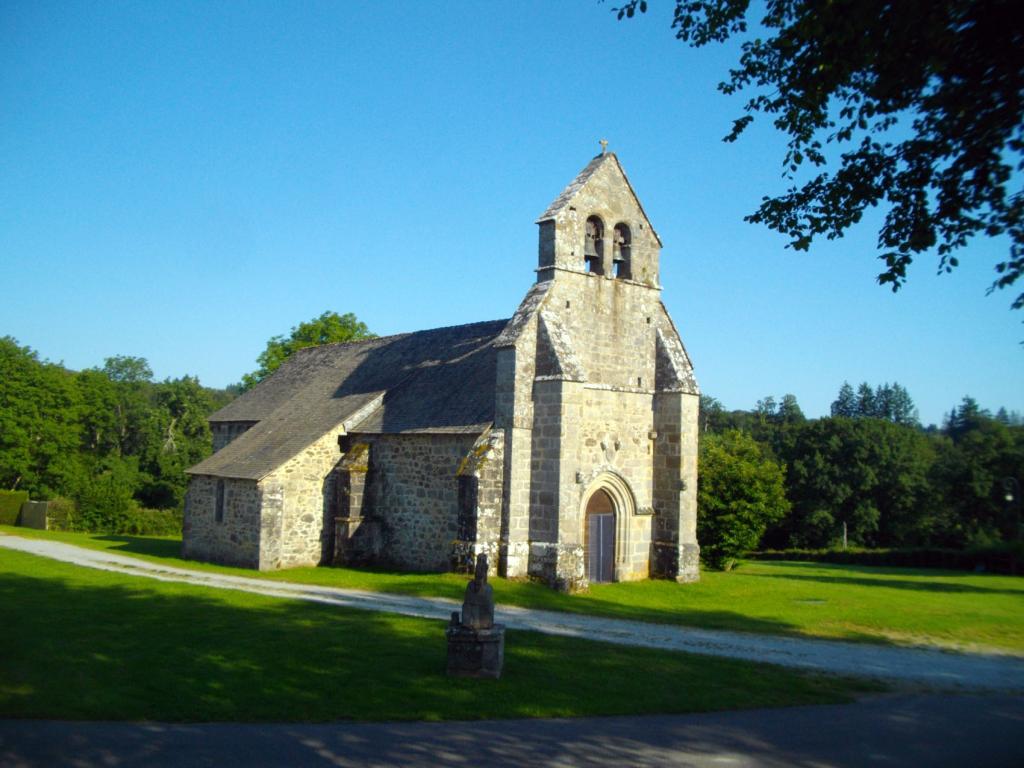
<point x="563" y="200"/>
<point x="440" y="380"/>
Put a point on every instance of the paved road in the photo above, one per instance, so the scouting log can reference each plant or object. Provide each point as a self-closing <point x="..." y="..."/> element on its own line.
<point x="933" y="668"/>
<point x="920" y="731"/>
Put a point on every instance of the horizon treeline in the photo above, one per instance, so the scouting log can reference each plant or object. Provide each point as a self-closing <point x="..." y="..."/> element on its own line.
<point x="109" y="438"/>
<point x="869" y="469"/>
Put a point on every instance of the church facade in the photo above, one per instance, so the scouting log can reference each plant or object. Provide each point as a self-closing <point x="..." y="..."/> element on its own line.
<point x="561" y="442"/>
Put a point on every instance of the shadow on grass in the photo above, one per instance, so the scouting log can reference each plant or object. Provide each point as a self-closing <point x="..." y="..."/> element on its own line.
<point x="144" y="545"/>
<point x="918" y="586"/>
<point x="134" y="650"/>
<point x="661" y="602"/>
<point x="884" y="570"/>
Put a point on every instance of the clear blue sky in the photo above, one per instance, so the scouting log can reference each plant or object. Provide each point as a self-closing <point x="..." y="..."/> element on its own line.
<point x="182" y="181"/>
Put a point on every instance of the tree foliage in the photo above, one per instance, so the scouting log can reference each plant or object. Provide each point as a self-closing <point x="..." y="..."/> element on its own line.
<point x="110" y="438"/>
<point x="922" y="100"/>
<point x="890" y="402"/>
<point x="328" y="328"/>
<point x="892" y="482"/>
<point x="868" y="474"/>
<point x="740" y="492"/>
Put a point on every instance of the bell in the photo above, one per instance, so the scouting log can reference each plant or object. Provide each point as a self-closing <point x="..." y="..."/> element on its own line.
<point x="589" y="249"/>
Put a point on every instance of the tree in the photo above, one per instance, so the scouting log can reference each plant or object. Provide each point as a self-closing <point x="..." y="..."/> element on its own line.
<point x="789" y="411"/>
<point x="923" y="96"/>
<point x="901" y="409"/>
<point x="867" y="473"/>
<point x="327" y="328"/>
<point x="711" y="409"/>
<point x="866" y="401"/>
<point x="39" y="430"/>
<point x="739" y="493"/>
<point x="968" y="476"/>
<point x="845" y="404"/>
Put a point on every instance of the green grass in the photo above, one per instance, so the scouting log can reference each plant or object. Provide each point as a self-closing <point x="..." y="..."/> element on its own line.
<point x="952" y="609"/>
<point x="83" y="643"/>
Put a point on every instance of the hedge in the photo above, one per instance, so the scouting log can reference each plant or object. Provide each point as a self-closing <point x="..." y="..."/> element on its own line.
<point x="10" y="506"/>
<point x="999" y="558"/>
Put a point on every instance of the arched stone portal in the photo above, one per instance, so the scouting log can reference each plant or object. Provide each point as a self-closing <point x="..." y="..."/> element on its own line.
<point x="599" y="537"/>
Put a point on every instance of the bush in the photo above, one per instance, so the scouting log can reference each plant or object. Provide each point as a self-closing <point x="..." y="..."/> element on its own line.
<point x="1005" y="558"/>
<point x="739" y="493"/>
<point x="152" y="522"/>
<point x="61" y="514"/>
<point x="10" y="506"/>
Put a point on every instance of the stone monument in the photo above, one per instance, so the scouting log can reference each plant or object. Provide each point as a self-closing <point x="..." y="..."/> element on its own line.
<point x="476" y="645"/>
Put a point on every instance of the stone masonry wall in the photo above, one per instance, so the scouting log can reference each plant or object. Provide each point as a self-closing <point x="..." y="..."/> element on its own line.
<point x="233" y="541"/>
<point x="301" y="494"/>
<point x="415" y="492"/>
<point x="514" y="416"/>
<point x="675" y="486"/>
<point x="607" y="195"/>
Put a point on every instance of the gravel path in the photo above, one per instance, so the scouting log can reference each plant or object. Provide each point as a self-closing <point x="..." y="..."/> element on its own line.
<point x="935" y="668"/>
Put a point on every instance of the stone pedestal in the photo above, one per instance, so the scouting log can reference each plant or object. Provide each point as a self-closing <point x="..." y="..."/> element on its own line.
<point x="476" y="645"/>
<point x="475" y="652"/>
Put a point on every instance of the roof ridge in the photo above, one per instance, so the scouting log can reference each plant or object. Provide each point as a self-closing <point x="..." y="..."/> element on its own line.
<point x="576" y="184"/>
<point x="392" y="336"/>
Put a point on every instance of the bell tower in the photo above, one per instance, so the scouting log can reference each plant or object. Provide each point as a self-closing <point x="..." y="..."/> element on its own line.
<point x="597" y="401"/>
<point x="598" y="227"/>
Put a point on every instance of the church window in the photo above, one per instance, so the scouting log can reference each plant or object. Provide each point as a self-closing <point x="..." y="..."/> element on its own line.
<point x="468" y="490"/>
<point x="593" y="246"/>
<point x="220" y="501"/>
<point x="621" y="252"/>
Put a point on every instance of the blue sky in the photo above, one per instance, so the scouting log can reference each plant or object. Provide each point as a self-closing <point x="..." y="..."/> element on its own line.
<point x="183" y="181"/>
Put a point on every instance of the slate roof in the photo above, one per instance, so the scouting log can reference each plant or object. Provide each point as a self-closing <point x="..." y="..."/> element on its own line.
<point x="436" y="381"/>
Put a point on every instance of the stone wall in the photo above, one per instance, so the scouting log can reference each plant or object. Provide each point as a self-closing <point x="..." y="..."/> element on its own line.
<point x="233" y="540"/>
<point x="413" y="484"/>
<point x="607" y="195"/>
<point x="480" y="480"/>
<point x="516" y="366"/>
<point x="592" y="366"/>
<point x="676" y="552"/>
<point x="300" y="495"/>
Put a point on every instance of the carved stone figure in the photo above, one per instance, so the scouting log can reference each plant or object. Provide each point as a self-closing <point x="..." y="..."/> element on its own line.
<point x="476" y="645"/>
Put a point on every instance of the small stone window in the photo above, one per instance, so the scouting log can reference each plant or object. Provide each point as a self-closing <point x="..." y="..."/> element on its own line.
<point x="593" y="246"/>
<point x="621" y="252"/>
<point x="468" y="491"/>
<point x="219" y="511"/>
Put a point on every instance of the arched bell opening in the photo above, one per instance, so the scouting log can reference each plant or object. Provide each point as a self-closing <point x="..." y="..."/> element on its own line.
<point x="593" y="246"/>
<point x="622" y="249"/>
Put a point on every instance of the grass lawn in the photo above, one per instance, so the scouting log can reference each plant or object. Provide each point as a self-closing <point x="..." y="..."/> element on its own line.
<point x="953" y="609"/>
<point x="83" y="643"/>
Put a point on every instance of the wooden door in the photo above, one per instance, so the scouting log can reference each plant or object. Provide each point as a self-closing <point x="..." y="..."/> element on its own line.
<point x="600" y="541"/>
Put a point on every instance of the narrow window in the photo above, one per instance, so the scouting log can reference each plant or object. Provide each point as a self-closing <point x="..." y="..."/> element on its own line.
<point x="621" y="252"/>
<point x="468" y="490"/>
<point x="220" y="501"/>
<point x="593" y="247"/>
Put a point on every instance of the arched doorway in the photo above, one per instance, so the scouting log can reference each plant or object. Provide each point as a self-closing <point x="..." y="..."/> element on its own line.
<point x="599" y="533"/>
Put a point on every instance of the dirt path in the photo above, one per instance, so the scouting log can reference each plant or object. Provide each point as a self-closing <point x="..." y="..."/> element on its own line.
<point x="934" y="668"/>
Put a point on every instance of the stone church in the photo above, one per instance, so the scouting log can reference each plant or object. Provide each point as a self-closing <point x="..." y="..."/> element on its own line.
<point x="562" y="442"/>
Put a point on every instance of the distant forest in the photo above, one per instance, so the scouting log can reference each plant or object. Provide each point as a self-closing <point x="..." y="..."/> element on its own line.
<point x="869" y="472"/>
<point x="110" y="439"/>
<point x="115" y="443"/>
